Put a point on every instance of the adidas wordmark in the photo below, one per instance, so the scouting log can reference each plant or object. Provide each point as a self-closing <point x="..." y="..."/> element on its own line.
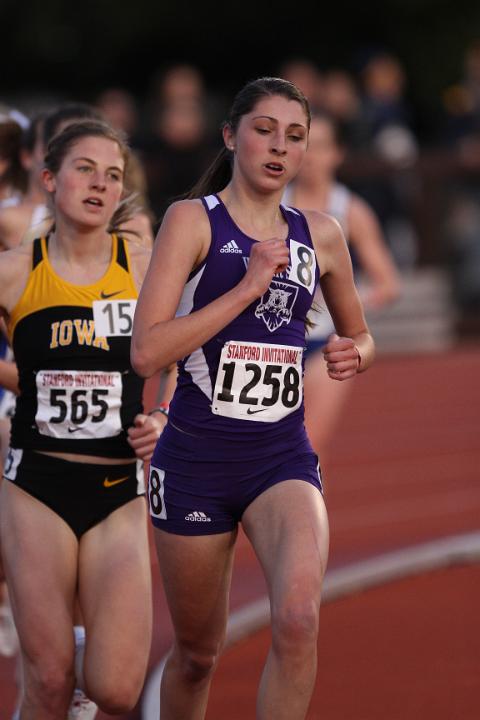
<point x="198" y="517"/>
<point x="231" y="247"/>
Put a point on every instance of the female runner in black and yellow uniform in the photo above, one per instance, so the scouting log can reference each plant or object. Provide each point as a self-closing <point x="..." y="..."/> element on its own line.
<point x="72" y="516"/>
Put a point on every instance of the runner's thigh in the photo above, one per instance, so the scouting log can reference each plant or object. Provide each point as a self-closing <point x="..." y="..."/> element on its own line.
<point x="196" y="572"/>
<point x="40" y="555"/>
<point x="115" y="593"/>
<point x="288" y="528"/>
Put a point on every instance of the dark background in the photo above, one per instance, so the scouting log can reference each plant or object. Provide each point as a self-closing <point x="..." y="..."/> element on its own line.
<point x="74" y="49"/>
<point x="55" y="51"/>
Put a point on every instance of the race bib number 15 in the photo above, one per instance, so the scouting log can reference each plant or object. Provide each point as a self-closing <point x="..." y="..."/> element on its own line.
<point x="113" y="318"/>
<point x="258" y="381"/>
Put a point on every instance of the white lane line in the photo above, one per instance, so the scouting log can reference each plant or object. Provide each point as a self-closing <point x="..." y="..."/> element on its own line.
<point x="458" y="549"/>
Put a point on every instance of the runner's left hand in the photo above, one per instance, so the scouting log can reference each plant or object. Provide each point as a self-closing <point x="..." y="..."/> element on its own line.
<point x="144" y="433"/>
<point x="342" y="357"/>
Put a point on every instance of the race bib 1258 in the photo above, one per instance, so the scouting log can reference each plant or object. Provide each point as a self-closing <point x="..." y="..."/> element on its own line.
<point x="258" y="381"/>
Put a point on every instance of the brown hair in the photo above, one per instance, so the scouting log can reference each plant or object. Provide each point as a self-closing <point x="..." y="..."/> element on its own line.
<point x="66" y="115"/>
<point x="60" y="144"/>
<point x="218" y="175"/>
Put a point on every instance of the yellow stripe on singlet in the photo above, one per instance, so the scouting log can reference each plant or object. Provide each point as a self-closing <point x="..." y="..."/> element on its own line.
<point x="45" y="288"/>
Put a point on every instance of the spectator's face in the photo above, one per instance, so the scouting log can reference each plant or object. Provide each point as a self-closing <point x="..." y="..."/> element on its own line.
<point x="384" y="79"/>
<point x="323" y="153"/>
<point x="182" y="124"/>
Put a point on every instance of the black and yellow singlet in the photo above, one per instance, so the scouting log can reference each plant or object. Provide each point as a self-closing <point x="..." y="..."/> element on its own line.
<point x="78" y="391"/>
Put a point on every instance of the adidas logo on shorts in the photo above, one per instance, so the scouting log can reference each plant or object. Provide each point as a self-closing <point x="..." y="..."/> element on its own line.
<point x="197" y="517"/>
<point x="231" y="247"/>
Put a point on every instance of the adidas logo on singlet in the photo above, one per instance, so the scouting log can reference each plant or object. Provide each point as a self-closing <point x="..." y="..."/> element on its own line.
<point x="231" y="247"/>
<point x="198" y="517"/>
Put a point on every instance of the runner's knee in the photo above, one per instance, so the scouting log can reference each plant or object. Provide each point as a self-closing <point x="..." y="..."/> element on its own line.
<point x="295" y="625"/>
<point x="197" y="665"/>
<point x="49" y="684"/>
<point x="115" y="698"/>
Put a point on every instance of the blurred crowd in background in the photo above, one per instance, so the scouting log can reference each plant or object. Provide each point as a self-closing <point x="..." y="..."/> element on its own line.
<point x="424" y="189"/>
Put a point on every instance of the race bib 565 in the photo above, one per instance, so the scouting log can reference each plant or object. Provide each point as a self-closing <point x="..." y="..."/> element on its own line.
<point x="79" y="404"/>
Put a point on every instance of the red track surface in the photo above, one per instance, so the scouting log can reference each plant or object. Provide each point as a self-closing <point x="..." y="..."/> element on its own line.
<point x="408" y="650"/>
<point x="404" y="469"/>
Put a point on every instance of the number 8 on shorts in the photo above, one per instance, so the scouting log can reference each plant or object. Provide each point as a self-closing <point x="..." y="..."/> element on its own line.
<point x="155" y="493"/>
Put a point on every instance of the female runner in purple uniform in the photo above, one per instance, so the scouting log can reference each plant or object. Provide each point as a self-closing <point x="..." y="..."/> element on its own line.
<point x="226" y="294"/>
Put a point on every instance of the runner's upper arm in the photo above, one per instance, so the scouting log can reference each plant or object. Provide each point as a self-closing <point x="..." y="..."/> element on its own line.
<point x="181" y="244"/>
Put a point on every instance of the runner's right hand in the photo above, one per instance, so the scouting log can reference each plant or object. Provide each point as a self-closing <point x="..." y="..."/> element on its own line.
<point x="267" y="258"/>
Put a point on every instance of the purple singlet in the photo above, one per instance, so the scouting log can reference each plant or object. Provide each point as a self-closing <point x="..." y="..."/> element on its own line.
<point x="216" y="392"/>
<point x="236" y="419"/>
